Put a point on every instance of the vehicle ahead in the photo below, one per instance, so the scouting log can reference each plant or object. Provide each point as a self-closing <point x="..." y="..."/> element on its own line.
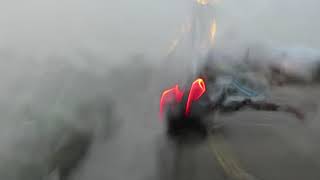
<point x="186" y="109"/>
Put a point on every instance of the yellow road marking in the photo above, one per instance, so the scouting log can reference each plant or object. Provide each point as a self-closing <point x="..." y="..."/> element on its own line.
<point x="226" y="158"/>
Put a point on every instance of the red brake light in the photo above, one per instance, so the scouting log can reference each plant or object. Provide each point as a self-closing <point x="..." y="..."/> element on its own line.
<point x="197" y="89"/>
<point x="170" y="95"/>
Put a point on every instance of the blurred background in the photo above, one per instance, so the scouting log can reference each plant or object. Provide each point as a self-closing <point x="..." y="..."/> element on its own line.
<point x="82" y="80"/>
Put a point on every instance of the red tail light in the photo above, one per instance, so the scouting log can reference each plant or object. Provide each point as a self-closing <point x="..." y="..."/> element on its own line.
<point x="168" y="96"/>
<point x="197" y="89"/>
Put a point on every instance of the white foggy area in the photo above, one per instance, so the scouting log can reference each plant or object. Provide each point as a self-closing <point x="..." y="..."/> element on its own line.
<point x="124" y="27"/>
<point x="58" y="56"/>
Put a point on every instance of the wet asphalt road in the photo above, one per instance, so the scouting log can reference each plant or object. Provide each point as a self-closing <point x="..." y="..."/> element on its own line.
<point x="268" y="146"/>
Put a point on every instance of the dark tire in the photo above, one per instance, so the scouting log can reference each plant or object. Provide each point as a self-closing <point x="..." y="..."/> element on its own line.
<point x="184" y="127"/>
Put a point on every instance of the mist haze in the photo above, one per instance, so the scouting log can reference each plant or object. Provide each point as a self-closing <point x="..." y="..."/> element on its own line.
<point x="116" y="28"/>
<point x="57" y="56"/>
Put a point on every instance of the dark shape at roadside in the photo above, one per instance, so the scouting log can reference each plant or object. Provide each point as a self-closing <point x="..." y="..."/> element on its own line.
<point x="70" y="154"/>
<point x="95" y="122"/>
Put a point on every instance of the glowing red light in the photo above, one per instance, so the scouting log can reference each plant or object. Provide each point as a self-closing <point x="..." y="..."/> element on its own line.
<point x="197" y="89"/>
<point x="168" y="96"/>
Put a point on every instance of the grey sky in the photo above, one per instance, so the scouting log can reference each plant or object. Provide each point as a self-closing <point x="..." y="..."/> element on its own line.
<point x="120" y="27"/>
